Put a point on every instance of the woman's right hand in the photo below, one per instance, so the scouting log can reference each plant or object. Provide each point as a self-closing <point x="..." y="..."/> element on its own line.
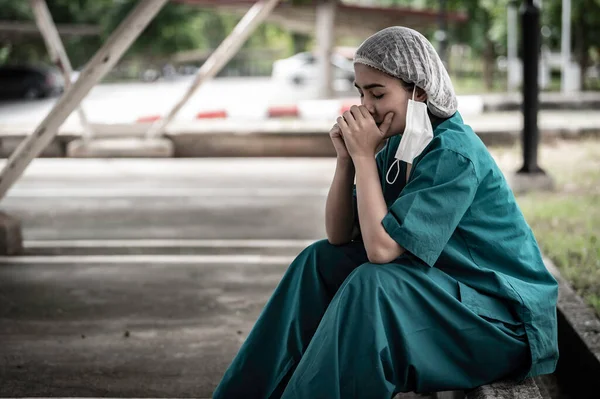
<point x="338" y="142"/>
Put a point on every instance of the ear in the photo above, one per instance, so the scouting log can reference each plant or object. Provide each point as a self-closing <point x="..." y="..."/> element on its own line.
<point x="420" y="95"/>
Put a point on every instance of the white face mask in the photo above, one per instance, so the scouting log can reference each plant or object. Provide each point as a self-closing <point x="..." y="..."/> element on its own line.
<point x="418" y="133"/>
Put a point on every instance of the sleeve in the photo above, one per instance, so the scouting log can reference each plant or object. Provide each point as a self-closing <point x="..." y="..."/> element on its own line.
<point x="432" y="204"/>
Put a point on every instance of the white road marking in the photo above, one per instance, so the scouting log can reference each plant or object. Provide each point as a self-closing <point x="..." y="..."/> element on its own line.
<point x="153" y="259"/>
<point x="167" y="243"/>
<point x="144" y="192"/>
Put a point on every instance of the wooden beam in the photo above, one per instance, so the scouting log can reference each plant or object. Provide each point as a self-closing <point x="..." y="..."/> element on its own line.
<point x="29" y="28"/>
<point x="351" y="21"/>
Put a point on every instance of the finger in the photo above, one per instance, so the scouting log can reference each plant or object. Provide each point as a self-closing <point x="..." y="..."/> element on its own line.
<point x="387" y="122"/>
<point x="356" y="113"/>
<point x="365" y="112"/>
<point x="349" y="118"/>
<point x="341" y="123"/>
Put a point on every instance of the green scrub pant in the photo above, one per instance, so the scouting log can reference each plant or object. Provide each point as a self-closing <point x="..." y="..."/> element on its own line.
<point x="340" y="327"/>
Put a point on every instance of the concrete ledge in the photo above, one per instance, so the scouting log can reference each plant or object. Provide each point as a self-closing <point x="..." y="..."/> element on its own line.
<point x="548" y="101"/>
<point x="526" y="182"/>
<point x="578" y="369"/>
<point x="11" y="239"/>
<point x="253" y="145"/>
<point x="125" y="147"/>
<point x="56" y="148"/>
<point x="285" y="137"/>
<point x="507" y="390"/>
<point x="308" y="141"/>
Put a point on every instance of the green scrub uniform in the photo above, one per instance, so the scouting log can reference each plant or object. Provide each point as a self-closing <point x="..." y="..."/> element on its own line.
<point x="468" y="303"/>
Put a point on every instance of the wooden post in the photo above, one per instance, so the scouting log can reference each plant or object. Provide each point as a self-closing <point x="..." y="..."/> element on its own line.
<point x="325" y="41"/>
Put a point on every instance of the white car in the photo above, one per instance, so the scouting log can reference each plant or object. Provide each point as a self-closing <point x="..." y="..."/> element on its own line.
<point x="302" y="70"/>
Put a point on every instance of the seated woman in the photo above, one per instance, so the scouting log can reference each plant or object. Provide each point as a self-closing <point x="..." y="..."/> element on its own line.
<point x="442" y="287"/>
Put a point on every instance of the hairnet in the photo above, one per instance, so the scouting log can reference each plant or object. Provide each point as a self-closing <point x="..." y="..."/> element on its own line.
<point x="406" y="54"/>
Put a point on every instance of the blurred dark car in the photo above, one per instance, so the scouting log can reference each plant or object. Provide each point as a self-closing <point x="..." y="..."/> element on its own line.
<point x="30" y="82"/>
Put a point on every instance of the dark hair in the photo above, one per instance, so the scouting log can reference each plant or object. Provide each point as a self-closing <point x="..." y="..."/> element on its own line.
<point x="407" y="86"/>
<point x="436" y="120"/>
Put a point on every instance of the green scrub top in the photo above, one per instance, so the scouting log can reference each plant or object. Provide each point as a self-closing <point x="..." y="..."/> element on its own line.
<point x="457" y="213"/>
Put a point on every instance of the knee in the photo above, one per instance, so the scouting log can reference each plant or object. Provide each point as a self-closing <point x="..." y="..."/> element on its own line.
<point x="367" y="274"/>
<point x="320" y="246"/>
<point x="380" y="276"/>
<point x="311" y="255"/>
<point x="330" y="263"/>
<point x="318" y="249"/>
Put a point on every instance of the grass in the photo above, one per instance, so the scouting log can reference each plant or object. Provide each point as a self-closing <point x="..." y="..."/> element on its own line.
<point x="566" y="222"/>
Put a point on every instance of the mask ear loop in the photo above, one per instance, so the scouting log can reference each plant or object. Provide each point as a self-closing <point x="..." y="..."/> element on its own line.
<point x="414" y="90"/>
<point x="387" y="176"/>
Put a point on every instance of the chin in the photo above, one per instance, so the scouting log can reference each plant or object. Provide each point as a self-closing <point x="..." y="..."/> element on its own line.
<point x="394" y="132"/>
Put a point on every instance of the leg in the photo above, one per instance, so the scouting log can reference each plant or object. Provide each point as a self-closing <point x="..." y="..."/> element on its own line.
<point x="400" y="328"/>
<point x="287" y="323"/>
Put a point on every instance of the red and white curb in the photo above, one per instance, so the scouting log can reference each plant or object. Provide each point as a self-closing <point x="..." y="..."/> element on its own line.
<point x="303" y="110"/>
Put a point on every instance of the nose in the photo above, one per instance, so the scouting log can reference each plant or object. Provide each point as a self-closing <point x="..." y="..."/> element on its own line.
<point x="369" y="106"/>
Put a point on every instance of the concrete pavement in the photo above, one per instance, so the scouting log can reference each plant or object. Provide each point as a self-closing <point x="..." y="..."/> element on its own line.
<point x="118" y="323"/>
<point x="141" y="278"/>
<point x="139" y="329"/>
<point x="171" y="199"/>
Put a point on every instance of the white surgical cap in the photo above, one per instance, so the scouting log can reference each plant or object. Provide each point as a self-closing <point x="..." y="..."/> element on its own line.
<point x="406" y="54"/>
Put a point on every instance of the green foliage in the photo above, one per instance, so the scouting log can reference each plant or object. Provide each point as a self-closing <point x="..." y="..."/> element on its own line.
<point x="585" y="36"/>
<point x="13" y="10"/>
<point x="177" y="27"/>
<point x="180" y="27"/>
<point x="32" y="48"/>
<point x="173" y="29"/>
<point x="486" y="31"/>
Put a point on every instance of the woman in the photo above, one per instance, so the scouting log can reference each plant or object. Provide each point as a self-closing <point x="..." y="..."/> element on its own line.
<point x="430" y="279"/>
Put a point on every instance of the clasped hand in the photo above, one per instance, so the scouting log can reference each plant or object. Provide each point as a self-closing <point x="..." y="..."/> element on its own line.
<point x="360" y="132"/>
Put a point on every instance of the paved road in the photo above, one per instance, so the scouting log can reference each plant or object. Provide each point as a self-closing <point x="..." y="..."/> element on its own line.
<point x="125" y="102"/>
<point x="142" y="278"/>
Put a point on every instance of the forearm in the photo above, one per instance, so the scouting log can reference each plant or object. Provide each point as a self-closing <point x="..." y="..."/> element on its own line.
<point x="339" y="211"/>
<point x="380" y="247"/>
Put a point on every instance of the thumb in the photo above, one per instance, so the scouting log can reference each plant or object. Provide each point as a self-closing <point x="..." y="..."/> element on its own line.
<point x="387" y="122"/>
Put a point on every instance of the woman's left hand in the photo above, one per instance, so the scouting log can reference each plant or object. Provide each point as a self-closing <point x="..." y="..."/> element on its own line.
<point x="361" y="134"/>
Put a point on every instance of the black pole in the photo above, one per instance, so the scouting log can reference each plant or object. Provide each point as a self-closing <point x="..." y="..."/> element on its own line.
<point x="530" y="23"/>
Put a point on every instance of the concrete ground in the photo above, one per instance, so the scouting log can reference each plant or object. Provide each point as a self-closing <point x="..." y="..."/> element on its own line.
<point x="165" y="325"/>
<point x="142" y="278"/>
